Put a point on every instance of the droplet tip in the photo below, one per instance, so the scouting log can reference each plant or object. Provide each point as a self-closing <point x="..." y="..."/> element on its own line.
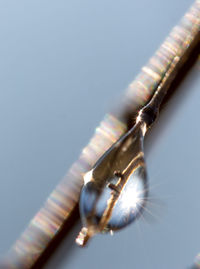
<point x="83" y="237"/>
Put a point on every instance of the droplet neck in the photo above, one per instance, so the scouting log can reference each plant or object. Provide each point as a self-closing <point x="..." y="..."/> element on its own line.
<point x="150" y="111"/>
<point x="147" y="116"/>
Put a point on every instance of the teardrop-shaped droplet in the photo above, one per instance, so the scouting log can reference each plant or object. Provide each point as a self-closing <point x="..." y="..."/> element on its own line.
<point x="115" y="189"/>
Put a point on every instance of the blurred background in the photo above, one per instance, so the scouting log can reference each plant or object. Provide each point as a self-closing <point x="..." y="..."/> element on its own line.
<point x="63" y="65"/>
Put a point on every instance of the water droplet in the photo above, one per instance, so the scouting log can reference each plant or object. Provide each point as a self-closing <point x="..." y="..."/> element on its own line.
<point x="115" y="189"/>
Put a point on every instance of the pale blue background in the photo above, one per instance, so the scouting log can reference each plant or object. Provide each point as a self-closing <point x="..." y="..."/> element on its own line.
<point x="62" y="63"/>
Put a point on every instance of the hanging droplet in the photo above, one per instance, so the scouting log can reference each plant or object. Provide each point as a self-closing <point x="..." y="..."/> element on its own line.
<point x="115" y="190"/>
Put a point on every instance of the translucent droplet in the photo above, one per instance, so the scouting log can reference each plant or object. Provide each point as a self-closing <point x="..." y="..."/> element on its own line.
<point x="115" y="189"/>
